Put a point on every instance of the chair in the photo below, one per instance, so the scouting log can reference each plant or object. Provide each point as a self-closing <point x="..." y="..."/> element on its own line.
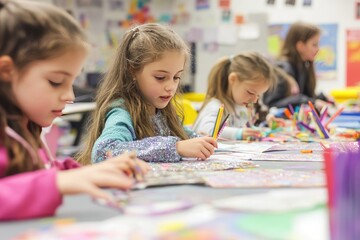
<point x="194" y="97"/>
<point x="186" y="107"/>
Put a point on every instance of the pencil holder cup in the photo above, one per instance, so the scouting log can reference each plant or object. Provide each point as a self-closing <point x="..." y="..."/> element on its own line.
<point x="342" y="165"/>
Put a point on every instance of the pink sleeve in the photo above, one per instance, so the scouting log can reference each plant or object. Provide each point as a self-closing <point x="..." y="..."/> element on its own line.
<point x="66" y="164"/>
<point x="29" y="195"/>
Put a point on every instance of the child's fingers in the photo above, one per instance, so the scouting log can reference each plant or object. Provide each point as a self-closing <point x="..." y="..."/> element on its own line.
<point x="212" y="141"/>
<point x="96" y="192"/>
<point x="210" y="148"/>
<point x="129" y="164"/>
<point x="202" y="155"/>
<point x="252" y="132"/>
<point x="206" y="152"/>
<point x="143" y="165"/>
<point x="116" y="179"/>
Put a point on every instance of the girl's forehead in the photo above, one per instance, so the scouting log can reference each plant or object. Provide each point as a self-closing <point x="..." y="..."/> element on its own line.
<point x="169" y="60"/>
<point x="258" y="83"/>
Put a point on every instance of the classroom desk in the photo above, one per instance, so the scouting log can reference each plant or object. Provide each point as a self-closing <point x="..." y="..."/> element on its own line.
<point x="82" y="208"/>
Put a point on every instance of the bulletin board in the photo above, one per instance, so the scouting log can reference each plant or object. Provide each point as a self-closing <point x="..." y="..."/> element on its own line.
<point x="211" y="28"/>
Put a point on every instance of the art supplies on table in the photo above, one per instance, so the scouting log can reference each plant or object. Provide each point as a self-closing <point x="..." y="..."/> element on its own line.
<point x="222" y="126"/>
<point x="199" y="166"/>
<point x="251" y="147"/>
<point x="218" y="122"/>
<point x="166" y="178"/>
<point x="296" y="156"/>
<point x="185" y="172"/>
<point x="264" y="178"/>
<point x="342" y="164"/>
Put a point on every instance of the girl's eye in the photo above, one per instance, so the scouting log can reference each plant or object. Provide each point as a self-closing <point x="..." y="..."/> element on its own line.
<point x="159" y="78"/>
<point x="250" y="93"/>
<point x="177" y="78"/>
<point x="55" y="84"/>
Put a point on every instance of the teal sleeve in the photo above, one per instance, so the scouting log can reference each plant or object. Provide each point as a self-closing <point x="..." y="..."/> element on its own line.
<point x="191" y="133"/>
<point x="239" y="134"/>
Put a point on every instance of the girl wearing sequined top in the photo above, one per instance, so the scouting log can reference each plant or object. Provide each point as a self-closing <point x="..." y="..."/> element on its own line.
<point x="237" y="82"/>
<point x="135" y="110"/>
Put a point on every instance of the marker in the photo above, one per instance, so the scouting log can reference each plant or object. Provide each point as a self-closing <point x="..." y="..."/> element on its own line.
<point x="306" y="151"/>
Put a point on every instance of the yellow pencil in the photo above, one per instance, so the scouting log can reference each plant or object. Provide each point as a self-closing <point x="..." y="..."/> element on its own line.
<point x="318" y="130"/>
<point x="217" y="122"/>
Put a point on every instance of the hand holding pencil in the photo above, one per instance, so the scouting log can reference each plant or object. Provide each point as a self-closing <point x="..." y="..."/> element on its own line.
<point x="200" y="147"/>
<point x="116" y="172"/>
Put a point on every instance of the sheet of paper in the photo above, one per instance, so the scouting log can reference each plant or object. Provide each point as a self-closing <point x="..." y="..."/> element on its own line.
<point x="264" y="178"/>
<point x="278" y="200"/>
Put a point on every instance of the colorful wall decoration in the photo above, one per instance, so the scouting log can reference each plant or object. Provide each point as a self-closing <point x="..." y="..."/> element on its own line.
<point x="352" y="57"/>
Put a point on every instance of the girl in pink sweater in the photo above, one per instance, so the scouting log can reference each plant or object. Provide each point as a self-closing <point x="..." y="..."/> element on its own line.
<point x="42" y="51"/>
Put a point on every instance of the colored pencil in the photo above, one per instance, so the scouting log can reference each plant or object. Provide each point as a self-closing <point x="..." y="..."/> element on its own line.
<point x="218" y="120"/>
<point x="323" y="113"/>
<point x="337" y="113"/>
<point x="291" y="109"/>
<point x="313" y="108"/>
<point x="288" y="113"/>
<point x="223" y="125"/>
<point x="319" y="124"/>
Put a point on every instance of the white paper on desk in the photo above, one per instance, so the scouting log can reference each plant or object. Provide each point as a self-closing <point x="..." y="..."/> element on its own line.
<point x="254" y="147"/>
<point x="281" y="200"/>
<point x="312" y="225"/>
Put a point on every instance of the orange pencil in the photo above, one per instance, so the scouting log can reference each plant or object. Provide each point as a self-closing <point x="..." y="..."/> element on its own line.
<point x="288" y="113"/>
<point x="306" y="151"/>
<point x="337" y="113"/>
<point x="313" y="108"/>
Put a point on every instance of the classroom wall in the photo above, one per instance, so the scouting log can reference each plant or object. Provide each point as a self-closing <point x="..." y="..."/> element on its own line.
<point x="199" y="25"/>
<point x="341" y="12"/>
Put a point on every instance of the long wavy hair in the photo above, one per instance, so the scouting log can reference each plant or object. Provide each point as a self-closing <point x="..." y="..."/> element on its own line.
<point x="29" y="31"/>
<point x="140" y="46"/>
<point x="300" y="32"/>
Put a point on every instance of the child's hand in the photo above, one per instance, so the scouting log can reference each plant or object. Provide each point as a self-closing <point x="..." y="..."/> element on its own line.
<point x="201" y="147"/>
<point x="112" y="173"/>
<point x="294" y="86"/>
<point x="250" y="133"/>
<point x="272" y="120"/>
<point x="319" y="104"/>
<point x="132" y="166"/>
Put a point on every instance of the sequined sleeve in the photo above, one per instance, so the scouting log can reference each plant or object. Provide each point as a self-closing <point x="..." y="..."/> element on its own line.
<point x="118" y="136"/>
<point x="151" y="149"/>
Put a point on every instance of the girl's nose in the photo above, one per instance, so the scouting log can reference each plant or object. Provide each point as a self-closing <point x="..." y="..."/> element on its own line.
<point x="170" y="87"/>
<point x="69" y="96"/>
<point x="255" y="98"/>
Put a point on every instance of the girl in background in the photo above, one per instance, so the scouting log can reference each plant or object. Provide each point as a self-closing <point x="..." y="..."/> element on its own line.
<point x="297" y="56"/>
<point x="237" y="82"/>
<point x="134" y="108"/>
<point x="42" y="50"/>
